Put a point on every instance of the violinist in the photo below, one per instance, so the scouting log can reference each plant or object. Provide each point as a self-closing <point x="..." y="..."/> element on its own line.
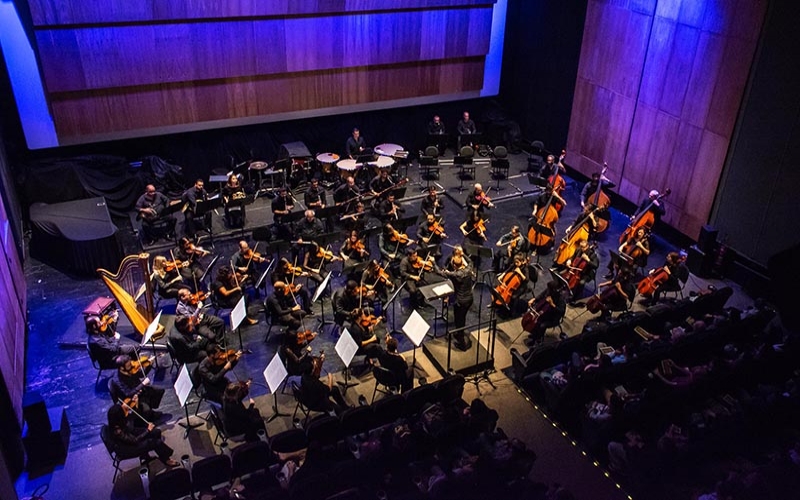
<point x="457" y="268"/>
<point x="582" y="264"/>
<point x="167" y="277"/>
<point x="316" y="260"/>
<point x="392" y="243"/>
<point x="598" y="181"/>
<point x="354" y="250"/>
<point x="346" y="302"/>
<point x="189" y="346"/>
<point x="380" y="185"/>
<point x="212" y="372"/>
<point x="131" y="385"/>
<point x="104" y="341"/>
<point x="233" y="196"/>
<point x="190" y="198"/>
<point x="283" y="308"/>
<point x="549" y="307"/>
<point x="246" y="261"/>
<point x="190" y="305"/>
<point x="296" y="352"/>
<point x="130" y="441"/>
<point x="511" y="244"/>
<point x="362" y="329"/>
<point x="347" y="194"/>
<point x="238" y="418"/>
<point x="474" y="231"/>
<point x="617" y="298"/>
<point x="378" y="280"/>
<point x="478" y="200"/>
<point x="149" y="207"/>
<point x="322" y="395"/>
<point x="632" y="253"/>
<point x="430" y="232"/>
<point x="286" y="273"/>
<point x="191" y="254"/>
<point x="432" y="203"/>
<point x="282" y="205"/>
<point x="412" y="270"/>
<point x="388" y="210"/>
<point x="227" y="291"/>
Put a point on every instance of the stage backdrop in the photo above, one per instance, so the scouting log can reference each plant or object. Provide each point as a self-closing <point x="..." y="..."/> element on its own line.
<point x="659" y="87"/>
<point x="126" y="68"/>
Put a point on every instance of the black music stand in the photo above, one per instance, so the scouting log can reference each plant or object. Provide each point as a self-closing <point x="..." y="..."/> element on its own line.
<point x="358" y="269"/>
<point x="205" y="207"/>
<point x="278" y="246"/>
<point x="479" y="252"/>
<point x="431" y="292"/>
<point x="465" y="167"/>
<point x="438" y="140"/>
<point x="468" y="140"/>
<point x="406" y="222"/>
<point x="428" y="170"/>
<point x="500" y="168"/>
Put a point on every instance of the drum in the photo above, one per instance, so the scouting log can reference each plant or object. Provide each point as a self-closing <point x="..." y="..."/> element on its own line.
<point x="388" y="149"/>
<point x="347" y="167"/>
<point x="381" y="162"/>
<point x="327" y="160"/>
<point x="258" y="165"/>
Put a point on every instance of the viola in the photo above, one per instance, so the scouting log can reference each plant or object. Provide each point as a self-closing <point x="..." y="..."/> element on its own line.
<point x="223" y="357"/>
<point x="106" y="321"/>
<point x="171" y="265"/>
<point x="327" y="255"/>
<point x="653" y="281"/>
<point x="359" y="247"/>
<point x="480" y="227"/>
<point x="398" y="237"/>
<point x="197" y="297"/>
<point x="510" y="282"/>
<point x="294" y="270"/>
<point x="369" y="321"/>
<point x="384" y="277"/>
<point x="437" y="229"/>
<point x="306" y="336"/>
<point x="193" y="250"/>
<point x="130" y="404"/>
<point x="483" y="199"/>
<point x="250" y="255"/>
<point x="645" y="218"/>
<point x="423" y="264"/>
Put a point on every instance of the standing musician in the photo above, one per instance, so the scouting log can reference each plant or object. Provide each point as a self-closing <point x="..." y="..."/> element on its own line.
<point x="388" y="210"/>
<point x="167" y="277"/>
<point x="190" y="255"/>
<point x="347" y="194"/>
<point x="550" y="166"/>
<point x="190" y="198"/>
<point x="150" y="205"/>
<point x="130" y="441"/>
<point x="238" y="418"/>
<point x="233" y="191"/>
<point x="381" y="184"/>
<point x="346" y="302"/>
<point x="653" y="201"/>
<point x="392" y="243"/>
<point x="587" y="217"/>
<point x="207" y="325"/>
<point x="457" y="269"/>
<point x="549" y="308"/>
<point x="355" y="144"/>
<point x="378" y="280"/>
<point x="282" y="206"/>
<point x="213" y="369"/>
<point x="430" y="232"/>
<point x="477" y="199"/>
<point x="511" y="243"/>
<point x="590" y="188"/>
<point x="227" y="290"/>
<point x="286" y="273"/>
<point x="316" y="260"/>
<point x="617" y="299"/>
<point x="436" y="127"/>
<point x="246" y="262"/>
<point x="412" y="270"/>
<point x="190" y="346"/>
<point x="433" y="203"/>
<point x="633" y="253"/>
<point x="541" y="201"/>
<point x="283" y="308"/>
<point x="582" y="265"/>
<point x="315" y="197"/>
<point x="131" y="385"/>
<point x="309" y="227"/>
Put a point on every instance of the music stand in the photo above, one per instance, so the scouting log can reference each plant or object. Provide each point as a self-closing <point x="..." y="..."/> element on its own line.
<point x="205" y="207"/>
<point x="405" y="222"/>
<point x="461" y="162"/>
<point x="262" y="279"/>
<point x="325" y="282"/>
<point x="241" y="203"/>
<point x="479" y="252"/>
<point x="183" y="387"/>
<point x="468" y="139"/>
<point x="209" y="268"/>
<point x="324" y="213"/>
<point x="357" y="269"/>
<point x="499" y="165"/>
<point x="437" y="291"/>
<point x="277" y="246"/>
<point x="438" y="140"/>
<point x="393" y="300"/>
<point x="274" y="374"/>
<point x="346" y="348"/>
<point x="415" y="329"/>
<point x="431" y="166"/>
<point x="238" y="314"/>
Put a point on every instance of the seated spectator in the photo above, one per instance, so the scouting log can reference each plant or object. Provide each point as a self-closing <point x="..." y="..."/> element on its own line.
<point x="673" y="375"/>
<point x="622" y="456"/>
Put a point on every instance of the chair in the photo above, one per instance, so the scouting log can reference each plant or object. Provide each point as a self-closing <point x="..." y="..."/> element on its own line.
<point x="306" y="406"/>
<point x="450" y="389"/>
<point x="682" y="273"/>
<point x="357" y="420"/>
<point x="388" y="409"/>
<point x="250" y="458"/>
<point x="116" y="457"/>
<point x="171" y="484"/>
<point x="500" y="152"/>
<point x="288" y="441"/>
<point x="99" y="362"/>
<point x="324" y="430"/>
<point x="272" y="320"/>
<point x="176" y="364"/>
<point x="210" y="472"/>
<point x="536" y="157"/>
<point x="467" y="152"/>
<point x="418" y="397"/>
<point x="385" y="378"/>
<point x="432" y="151"/>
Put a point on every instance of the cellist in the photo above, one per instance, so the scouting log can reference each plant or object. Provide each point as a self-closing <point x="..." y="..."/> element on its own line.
<point x="550" y="307"/>
<point x="633" y="253"/>
<point x="513" y="282"/>
<point x="580" y="269"/>
<point x="660" y="279"/>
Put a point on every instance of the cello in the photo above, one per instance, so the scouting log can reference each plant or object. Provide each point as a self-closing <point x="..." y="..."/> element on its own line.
<point x="644" y="219"/>
<point x="600" y="201"/>
<point x="542" y="228"/>
<point x="572" y="274"/>
<point x="531" y="318"/>
<point x="653" y="281"/>
<point x="570" y="241"/>
<point x="510" y="282"/>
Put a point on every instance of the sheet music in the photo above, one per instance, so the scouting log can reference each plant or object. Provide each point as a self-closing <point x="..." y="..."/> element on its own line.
<point x="183" y="386"/>
<point x="416" y="328"/>
<point x="151" y="329"/>
<point x="274" y="374"/>
<point x="346" y="347"/>
<point x="238" y="314"/>
<point x="443" y="289"/>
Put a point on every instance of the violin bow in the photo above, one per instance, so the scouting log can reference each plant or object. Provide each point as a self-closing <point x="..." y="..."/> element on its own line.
<point x="235" y="278"/>
<point x="126" y="405"/>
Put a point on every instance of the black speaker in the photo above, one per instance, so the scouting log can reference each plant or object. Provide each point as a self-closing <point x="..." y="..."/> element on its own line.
<point x="708" y="239"/>
<point x="699" y="262"/>
<point x="34" y="411"/>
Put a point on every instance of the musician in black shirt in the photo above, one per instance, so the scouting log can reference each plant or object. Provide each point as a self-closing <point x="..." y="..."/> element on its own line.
<point x="150" y="205"/>
<point x="347" y="194"/>
<point x="315" y="196"/>
<point x="432" y="204"/>
<point x="388" y="210"/>
<point x="436" y="127"/>
<point x="190" y="198"/>
<point x="381" y="184"/>
<point x="233" y="196"/>
<point x="282" y="206"/>
<point x="355" y="144"/>
<point x="465" y="127"/>
<point x="459" y="271"/>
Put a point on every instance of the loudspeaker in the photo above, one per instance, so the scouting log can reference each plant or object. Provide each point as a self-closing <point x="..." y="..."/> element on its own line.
<point x="699" y="262"/>
<point x="708" y="239"/>
<point x="296" y="149"/>
<point x="34" y="412"/>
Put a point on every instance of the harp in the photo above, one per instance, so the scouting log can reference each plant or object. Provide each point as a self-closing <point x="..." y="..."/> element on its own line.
<point x="130" y="284"/>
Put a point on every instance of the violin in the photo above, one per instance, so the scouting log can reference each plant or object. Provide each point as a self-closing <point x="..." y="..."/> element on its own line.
<point x="484" y="200"/>
<point x="193" y="250"/>
<point x="197" y="297"/>
<point x="480" y="228"/>
<point x="130" y="404"/>
<point x="425" y="265"/>
<point x="294" y="270"/>
<point x="653" y="281"/>
<point x="369" y="321"/>
<point x="645" y="218"/>
<point x="327" y="255"/>
<point x="223" y="357"/>
<point x="171" y="265"/>
<point x="138" y="365"/>
<point x="316" y="364"/>
<point x="106" y="321"/>
<point x="359" y="247"/>
<point x="510" y="282"/>
<point x="384" y="277"/>
<point x="437" y="229"/>
<point x="250" y="255"/>
<point x="398" y="237"/>
<point x="305" y="337"/>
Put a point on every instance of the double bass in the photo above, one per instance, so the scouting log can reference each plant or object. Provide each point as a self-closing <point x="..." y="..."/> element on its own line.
<point x="600" y="201"/>
<point x="570" y="241"/>
<point x="556" y="180"/>
<point x="645" y="218"/>
<point x="542" y="228"/>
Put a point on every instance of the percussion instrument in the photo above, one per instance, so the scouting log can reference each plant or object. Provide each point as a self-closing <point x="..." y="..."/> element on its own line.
<point x="327" y="160"/>
<point x="258" y="165"/>
<point x="347" y="167"/>
<point x="381" y="162"/>
<point x="388" y="149"/>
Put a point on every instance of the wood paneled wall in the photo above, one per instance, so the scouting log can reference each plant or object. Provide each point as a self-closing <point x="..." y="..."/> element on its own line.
<point x="137" y="64"/>
<point x="659" y="88"/>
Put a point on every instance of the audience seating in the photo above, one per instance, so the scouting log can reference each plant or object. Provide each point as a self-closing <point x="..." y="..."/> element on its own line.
<point x="385" y="378"/>
<point x="210" y="472"/>
<point x="171" y="484"/>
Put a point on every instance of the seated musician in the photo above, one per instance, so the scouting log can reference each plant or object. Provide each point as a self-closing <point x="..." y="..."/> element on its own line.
<point x="591" y="261"/>
<point x="412" y="271"/>
<point x="355" y="144"/>
<point x="519" y="267"/>
<point x="246" y="261"/>
<point x="104" y="341"/>
<point x="131" y="385"/>
<point x="388" y="209"/>
<point x="347" y="194"/>
<point x="149" y="207"/>
<point x="432" y="203"/>
<point x="430" y="232"/>
<point x="632" y="254"/>
<point x="232" y="199"/>
<point x="381" y="184"/>
<point x="209" y="326"/>
<point x="353" y="251"/>
<point x="211" y="372"/>
<point x="189" y="346"/>
<point x="238" y="418"/>
<point x="590" y="188"/>
<point x="286" y="273"/>
<point x="316" y="260"/>
<point x="282" y="205"/>
<point x="356" y="220"/>
<point x="346" y="302"/>
<point x="551" y="306"/>
<point x="189" y="199"/>
<point x="392" y="243"/>
<point x="625" y="291"/>
<point x="362" y="329"/>
<point x="324" y="396"/>
<point x="378" y="280"/>
<point x="130" y="441"/>
<point x="471" y="230"/>
<point x="309" y="227"/>
<point x="315" y="197"/>
<point x="227" y="290"/>
<point x="457" y="268"/>
<point x="509" y="244"/>
<point x="283" y="308"/>
<point x="296" y="354"/>
<point x="167" y="277"/>
<point x="192" y="268"/>
<point x="543" y="199"/>
<point x="477" y="199"/>
<point x="676" y="271"/>
<point x="397" y="364"/>
<point x="586" y="218"/>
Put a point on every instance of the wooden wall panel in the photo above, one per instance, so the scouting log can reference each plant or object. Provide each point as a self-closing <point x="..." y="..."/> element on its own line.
<point x="686" y="96"/>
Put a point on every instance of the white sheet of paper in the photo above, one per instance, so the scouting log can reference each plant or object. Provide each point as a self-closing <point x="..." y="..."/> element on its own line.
<point x="416" y="328"/>
<point x="183" y="385"/>
<point x="238" y="314"/>
<point x="274" y="374"/>
<point x="151" y="329"/>
<point x="321" y="287"/>
<point x="346" y="347"/>
<point x="443" y="289"/>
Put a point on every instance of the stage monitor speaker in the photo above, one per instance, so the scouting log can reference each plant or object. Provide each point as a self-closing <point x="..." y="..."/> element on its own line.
<point x="707" y="241"/>
<point x="699" y="262"/>
<point x="34" y="412"/>
<point x="784" y="274"/>
<point x="296" y="149"/>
